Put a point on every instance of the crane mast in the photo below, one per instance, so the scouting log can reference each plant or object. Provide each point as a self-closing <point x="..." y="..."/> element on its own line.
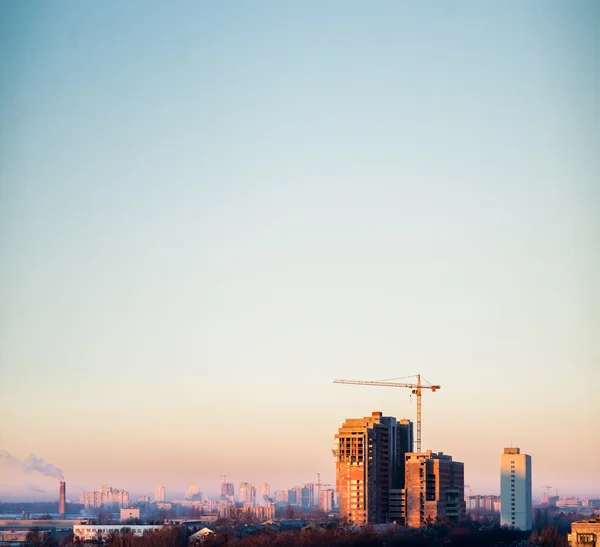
<point x="415" y="390"/>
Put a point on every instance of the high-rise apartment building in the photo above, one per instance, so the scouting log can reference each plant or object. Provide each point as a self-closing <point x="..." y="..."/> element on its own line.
<point x="193" y="493"/>
<point x="295" y="496"/>
<point x="159" y="494"/>
<point x="247" y="493"/>
<point x="327" y="500"/>
<point x="515" y="489"/>
<point x="435" y="488"/>
<point x="281" y="498"/>
<point x="264" y="492"/>
<point x="105" y="496"/>
<point x="227" y="491"/>
<point x="369" y="455"/>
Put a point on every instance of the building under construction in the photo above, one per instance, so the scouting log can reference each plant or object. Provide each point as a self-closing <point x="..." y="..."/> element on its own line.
<point x="379" y="479"/>
<point x="369" y="454"/>
<point x="434" y="489"/>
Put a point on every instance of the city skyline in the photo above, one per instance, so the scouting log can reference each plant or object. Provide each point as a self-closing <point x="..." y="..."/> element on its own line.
<point x="208" y="212"/>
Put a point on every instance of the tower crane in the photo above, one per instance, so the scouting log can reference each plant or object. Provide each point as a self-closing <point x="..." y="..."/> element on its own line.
<point x="319" y="483"/>
<point x="416" y="390"/>
<point x="547" y="487"/>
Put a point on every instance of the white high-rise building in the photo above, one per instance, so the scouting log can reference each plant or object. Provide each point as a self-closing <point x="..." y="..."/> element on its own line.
<point x="515" y="489"/>
<point x="159" y="493"/>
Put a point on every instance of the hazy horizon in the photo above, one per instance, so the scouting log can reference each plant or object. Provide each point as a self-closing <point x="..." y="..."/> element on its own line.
<point x="209" y="211"/>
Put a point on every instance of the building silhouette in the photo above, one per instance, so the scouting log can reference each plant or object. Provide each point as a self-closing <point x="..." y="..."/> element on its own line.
<point x="369" y="459"/>
<point x="435" y="488"/>
<point x="515" y="489"/>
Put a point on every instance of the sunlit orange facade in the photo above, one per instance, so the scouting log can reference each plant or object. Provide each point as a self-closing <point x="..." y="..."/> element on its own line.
<point x="435" y="488"/>
<point x="369" y="454"/>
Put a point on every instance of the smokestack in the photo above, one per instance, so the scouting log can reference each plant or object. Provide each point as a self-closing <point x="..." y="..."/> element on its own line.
<point x="62" y="500"/>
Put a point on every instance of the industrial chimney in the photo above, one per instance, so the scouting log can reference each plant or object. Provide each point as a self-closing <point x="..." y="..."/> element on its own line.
<point x="62" y="500"/>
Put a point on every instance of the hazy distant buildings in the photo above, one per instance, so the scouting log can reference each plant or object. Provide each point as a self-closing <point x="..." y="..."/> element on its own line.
<point x="435" y="488"/>
<point x="295" y="496"/>
<point x="247" y="493"/>
<point x="227" y="491"/>
<point x="483" y="505"/>
<point x="91" y="532"/>
<point x="281" y="498"/>
<point x="369" y="461"/>
<point x="193" y="493"/>
<point x="264" y="492"/>
<point x="260" y="512"/>
<point x="159" y="493"/>
<point x="515" y="489"/>
<point x="105" y="496"/>
<point x="327" y="500"/>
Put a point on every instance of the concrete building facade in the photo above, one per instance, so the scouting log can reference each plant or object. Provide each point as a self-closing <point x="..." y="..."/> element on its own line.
<point x="247" y="493"/>
<point x="105" y="496"/>
<point x="435" y="488"/>
<point x="227" y="491"/>
<point x="327" y="500"/>
<point x="516" y="506"/>
<point x="91" y="532"/>
<point x="585" y="533"/>
<point x="193" y="493"/>
<point x="159" y="493"/>
<point x="129" y="513"/>
<point x="369" y="456"/>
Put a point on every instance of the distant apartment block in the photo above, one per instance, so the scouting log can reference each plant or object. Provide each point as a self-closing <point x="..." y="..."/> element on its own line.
<point x="281" y="497"/>
<point x="515" y="489"/>
<point x="260" y="512"/>
<point x="483" y="505"/>
<point x="435" y="488"/>
<point x="327" y="500"/>
<point x="310" y="492"/>
<point x="369" y="460"/>
<point x="227" y="491"/>
<point x="568" y="502"/>
<point x="159" y="493"/>
<point x="129" y="513"/>
<point x="295" y="496"/>
<point x="264" y="492"/>
<point x="247" y="493"/>
<point x="105" y="496"/>
<point x="193" y="493"/>
<point x="91" y="532"/>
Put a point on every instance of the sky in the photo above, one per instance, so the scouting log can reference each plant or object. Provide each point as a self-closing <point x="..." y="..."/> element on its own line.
<point x="211" y="210"/>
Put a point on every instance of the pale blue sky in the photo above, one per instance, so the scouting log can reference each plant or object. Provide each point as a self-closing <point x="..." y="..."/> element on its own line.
<point x="209" y="211"/>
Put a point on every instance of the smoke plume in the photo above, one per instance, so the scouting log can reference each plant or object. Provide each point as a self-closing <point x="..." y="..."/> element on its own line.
<point x="30" y="464"/>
